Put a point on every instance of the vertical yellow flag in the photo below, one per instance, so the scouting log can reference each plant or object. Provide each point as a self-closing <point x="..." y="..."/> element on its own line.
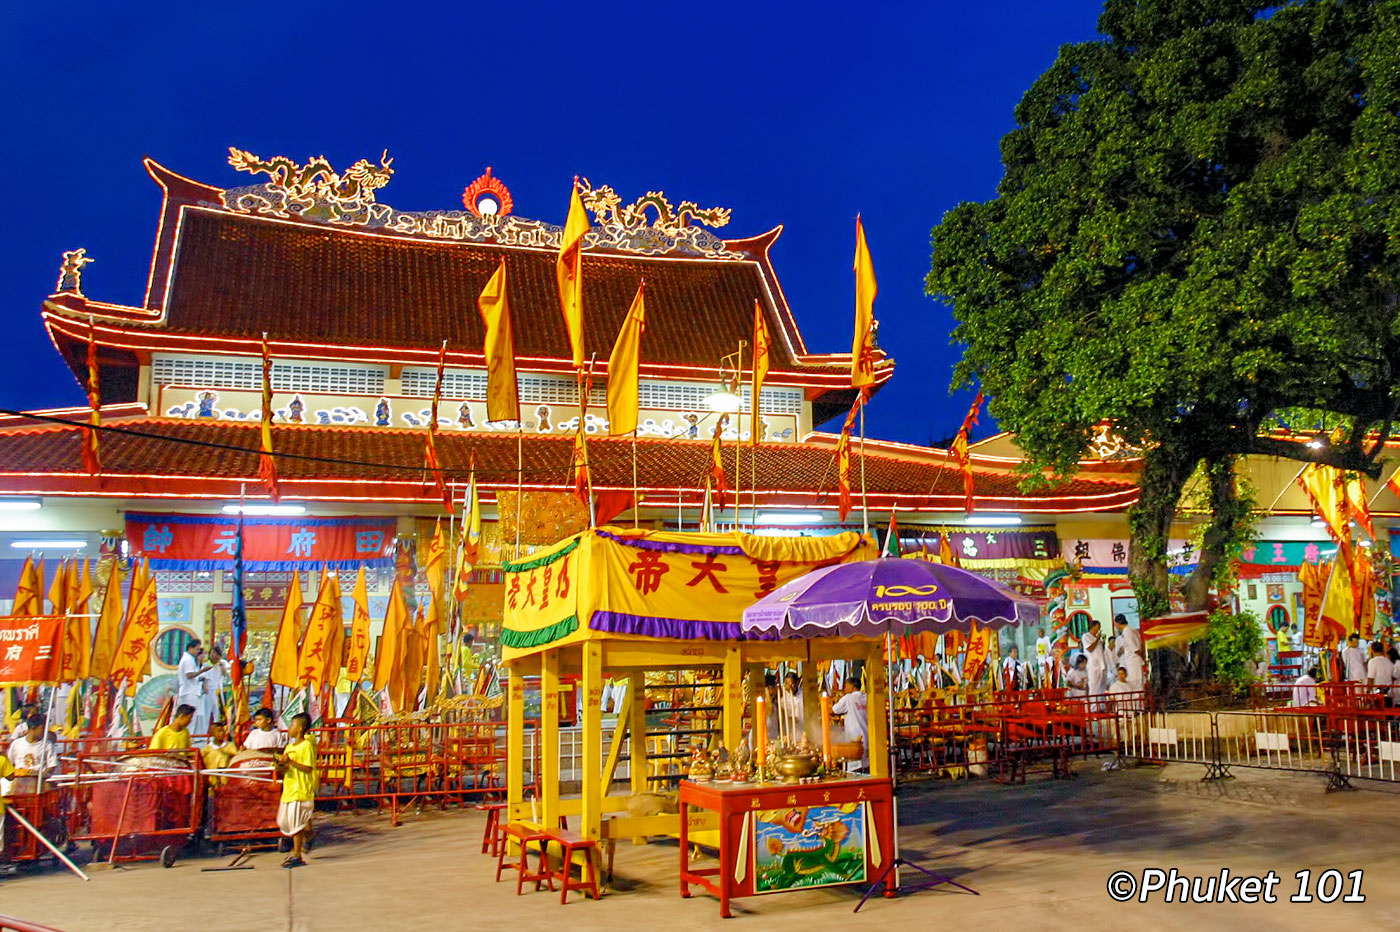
<point x="109" y="624"/>
<point x="387" y="661"/>
<point x="79" y="632"/>
<point x="430" y="629"/>
<point x="314" y="660"/>
<point x="435" y="567"/>
<point x="132" y="659"/>
<point x="623" y="366"/>
<point x="760" y="371"/>
<point x="502" y="393"/>
<point x="568" y="270"/>
<point x="863" y="346"/>
<point x="357" y="654"/>
<point x="284" y="653"/>
<point x="28" y="594"/>
<point x="58" y="590"/>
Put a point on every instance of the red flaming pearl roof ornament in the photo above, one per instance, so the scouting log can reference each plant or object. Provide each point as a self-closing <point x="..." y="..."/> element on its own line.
<point x="487" y="197"/>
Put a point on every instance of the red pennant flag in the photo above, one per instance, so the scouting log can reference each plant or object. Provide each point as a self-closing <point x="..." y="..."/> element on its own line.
<point x="964" y="459"/>
<point x="267" y="465"/>
<point x="92" y="460"/>
<point x="843" y="461"/>
<point x="434" y="464"/>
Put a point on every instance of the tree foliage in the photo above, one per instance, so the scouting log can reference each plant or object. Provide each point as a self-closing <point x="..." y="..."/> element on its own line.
<point x="1197" y="229"/>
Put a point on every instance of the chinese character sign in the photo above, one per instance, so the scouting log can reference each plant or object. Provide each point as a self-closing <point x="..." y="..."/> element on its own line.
<point x="207" y="542"/>
<point x="29" y="648"/>
<point x="656" y="584"/>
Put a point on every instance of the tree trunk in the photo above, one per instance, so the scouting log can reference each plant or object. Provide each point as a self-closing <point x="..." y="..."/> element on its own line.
<point x="1226" y="513"/>
<point x="1165" y="469"/>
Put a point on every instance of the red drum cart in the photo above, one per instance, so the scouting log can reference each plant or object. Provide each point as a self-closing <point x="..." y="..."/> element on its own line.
<point x="139" y="805"/>
<point x="48" y="812"/>
<point x="243" y="806"/>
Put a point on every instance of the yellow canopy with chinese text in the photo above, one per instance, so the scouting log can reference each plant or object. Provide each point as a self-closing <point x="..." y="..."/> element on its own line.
<point x="622" y="583"/>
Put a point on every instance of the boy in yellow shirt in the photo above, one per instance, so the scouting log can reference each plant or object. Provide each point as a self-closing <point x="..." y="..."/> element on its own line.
<point x="176" y="735"/>
<point x="297" y="764"/>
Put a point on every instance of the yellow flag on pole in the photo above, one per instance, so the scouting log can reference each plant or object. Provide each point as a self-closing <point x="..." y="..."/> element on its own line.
<point x="132" y="660"/>
<point x="267" y="464"/>
<point x="387" y="661"/>
<point x="623" y="368"/>
<point x="431" y="626"/>
<point x="761" y="351"/>
<point x="284" y="653"/>
<point x="568" y="270"/>
<point x="58" y="590"/>
<point x="109" y="625"/>
<point x="314" y="660"/>
<point x="435" y="567"/>
<point x="863" y="345"/>
<point x="468" y="540"/>
<point x="28" y="594"/>
<point x="357" y="654"/>
<point x="502" y="393"/>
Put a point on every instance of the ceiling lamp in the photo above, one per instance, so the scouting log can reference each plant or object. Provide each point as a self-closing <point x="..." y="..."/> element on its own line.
<point x="262" y="510"/>
<point x="20" y="504"/>
<point x="55" y="544"/>
<point x="992" y="520"/>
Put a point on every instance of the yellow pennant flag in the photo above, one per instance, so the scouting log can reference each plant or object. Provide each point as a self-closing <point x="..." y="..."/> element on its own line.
<point x="761" y="350"/>
<point x="58" y="590"/>
<point x="357" y="652"/>
<point x="1326" y="488"/>
<point x="314" y="661"/>
<point x="29" y="592"/>
<point x="468" y="541"/>
<point x="432" y="625"/>
<point x="435" y="567"/>
<point x="387" y="661"/>
<point x="623" y="368"/>
<point x="568" y="270"/>
<point x="284" y="652"/>
<point x="77" y="632"/>
<point x="502" y="392"/>
<point x="863" y="346"/>
<point x="1338" y="613"/>
<point x="267" y="464"/>
<point x="109" y="624"/>
<point x="133" y="658"/>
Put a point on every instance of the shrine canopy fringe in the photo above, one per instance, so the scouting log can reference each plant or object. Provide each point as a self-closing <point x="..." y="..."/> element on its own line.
<point x="207" y="542"/>
<point x="615" y="583"/>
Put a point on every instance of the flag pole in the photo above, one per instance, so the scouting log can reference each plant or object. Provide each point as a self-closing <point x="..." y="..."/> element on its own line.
<point x="585" y="390"/>
<point x="456" y="560"/>
<point x="635" y="500"/>
<point x="864" y="499"/>
<point x="519" y="478"/>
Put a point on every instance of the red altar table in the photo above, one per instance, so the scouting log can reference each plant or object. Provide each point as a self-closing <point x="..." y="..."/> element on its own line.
<point x="778" y="837"/>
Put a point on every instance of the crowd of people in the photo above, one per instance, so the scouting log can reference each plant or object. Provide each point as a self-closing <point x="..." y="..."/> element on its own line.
<point x="1374" y="667"/>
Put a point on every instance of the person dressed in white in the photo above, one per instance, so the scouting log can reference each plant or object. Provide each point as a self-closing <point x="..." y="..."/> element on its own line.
<point x="1305" y="688"/>
<point x="213" y="681"/>
<point x="1043" y="658"/>
<point x="1379" y="670"/>
<point x="34" y="754"/>
<point x="1134" y="658"/>
<point x="264" y="735"/>
<point x="1354" y="659"/>
<point x="790" y="701"/>
<point x="189" y="685"/>
<point x="1092" y="644"/>
<point x="1077" y="679"/>
<point x="851" y="706"/>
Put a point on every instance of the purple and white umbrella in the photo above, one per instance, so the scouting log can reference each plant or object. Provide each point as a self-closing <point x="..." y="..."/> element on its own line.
<point x="886" y="596"/>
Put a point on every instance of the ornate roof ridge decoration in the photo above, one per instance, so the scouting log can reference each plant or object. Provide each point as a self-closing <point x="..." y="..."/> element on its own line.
<point x="316" y="192"/>
<point x="70" y="272"/>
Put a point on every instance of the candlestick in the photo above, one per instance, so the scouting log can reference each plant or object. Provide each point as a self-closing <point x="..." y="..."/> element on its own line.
<point x="826" y="729"/>
<point x="760" y="735"/>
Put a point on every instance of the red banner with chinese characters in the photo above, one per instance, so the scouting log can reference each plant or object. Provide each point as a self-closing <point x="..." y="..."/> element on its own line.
<point x="208" y="542"/>
<point x="29" y="648"/>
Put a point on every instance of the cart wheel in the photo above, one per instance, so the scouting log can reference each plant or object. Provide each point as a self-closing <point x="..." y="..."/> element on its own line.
<point x="167" y="856"/>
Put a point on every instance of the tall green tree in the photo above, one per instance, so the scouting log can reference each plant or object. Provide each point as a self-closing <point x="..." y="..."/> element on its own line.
<point x="1197" y="230"/>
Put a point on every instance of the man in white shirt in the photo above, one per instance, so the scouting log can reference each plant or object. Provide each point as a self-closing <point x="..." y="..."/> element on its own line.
<point x="1043" y="654"/>
<point x="1011" y="670"/>
<point x="264" y="735"/>
<point x="1134" y="658"/>
<point x="1097" y="669"/>
<point x="1354" y="659"/>
<point x="213" y="682"/>
<point x="34" y="754"/>
<point x="852" y="707"/>
<point x="189" y="685"/>
<point x="1380" y="671"/>
<point x="1305" y="688"/>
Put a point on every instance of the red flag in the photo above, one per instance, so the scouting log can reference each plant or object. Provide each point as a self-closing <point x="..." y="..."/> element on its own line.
<point x="267" y="465"/>
<point x="718" y="480"/>
<point x="92" y="459"/>
<point x="434" y="464"/>
<point x="843" y="461"/>
<point x="964" y="460"/>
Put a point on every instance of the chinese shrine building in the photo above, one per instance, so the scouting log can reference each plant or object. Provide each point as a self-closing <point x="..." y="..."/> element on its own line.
<point x="355" y="300"/>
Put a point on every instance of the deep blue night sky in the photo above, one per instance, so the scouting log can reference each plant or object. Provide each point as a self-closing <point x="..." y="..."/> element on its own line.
<point x="800" y="114"/>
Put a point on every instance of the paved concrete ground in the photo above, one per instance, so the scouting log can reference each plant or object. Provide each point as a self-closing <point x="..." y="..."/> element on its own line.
<point x="1040" y="854"/>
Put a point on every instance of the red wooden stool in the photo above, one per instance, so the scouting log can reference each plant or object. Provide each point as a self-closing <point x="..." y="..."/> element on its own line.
<point x="569" y="842"/>
<point x="491" y="836"/>
<point x="525" y="835"/>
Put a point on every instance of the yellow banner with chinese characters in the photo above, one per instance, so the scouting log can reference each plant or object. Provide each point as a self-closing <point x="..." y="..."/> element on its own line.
<point x="614" y="582"/>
